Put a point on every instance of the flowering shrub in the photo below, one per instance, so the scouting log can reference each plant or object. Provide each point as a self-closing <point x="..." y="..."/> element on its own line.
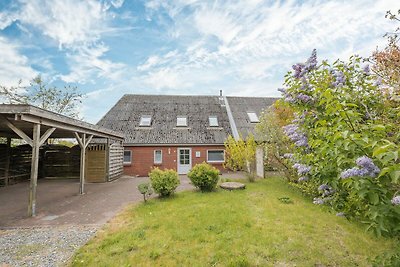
<point x="345" y="140"/>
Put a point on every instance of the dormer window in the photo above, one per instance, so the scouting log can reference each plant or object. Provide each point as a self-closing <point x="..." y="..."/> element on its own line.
<point x="145" y="120"/>
<point x="213" y="121"/>
<point x="253" y="117"/>
<point x="181" y="121"/>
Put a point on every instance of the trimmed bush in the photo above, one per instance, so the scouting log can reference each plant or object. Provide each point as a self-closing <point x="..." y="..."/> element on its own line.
<point x="164" y="182"/>
<point x="146" y="190"/>
<point x="204" y="176"/>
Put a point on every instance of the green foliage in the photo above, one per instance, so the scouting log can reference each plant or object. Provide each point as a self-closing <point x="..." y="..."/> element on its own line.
<point x="164" y="182"/>
<point x="343" y="120"/>
<point x="63" y="101"/>
<point x="240" y="154"/>
<point x="275" y="143"/>
<point x="204" y="176"/>
<point x="146" y="190"/>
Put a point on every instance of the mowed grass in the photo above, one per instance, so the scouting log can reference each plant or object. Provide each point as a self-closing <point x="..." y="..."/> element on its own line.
<point x="241" y="228"/>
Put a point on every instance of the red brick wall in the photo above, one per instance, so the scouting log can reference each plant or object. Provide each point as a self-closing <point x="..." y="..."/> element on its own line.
<point x="143" y="158"/>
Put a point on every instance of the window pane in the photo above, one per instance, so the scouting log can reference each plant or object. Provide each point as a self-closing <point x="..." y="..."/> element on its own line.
<point x="157" y="156"/>
<point x="216" y="155"/>
<point x="145" y="120"/>
<point x="181" y="121"/>
<point x="127" y="156"/>
<point x="213" y="120"/>
<point x="253" y="117"/>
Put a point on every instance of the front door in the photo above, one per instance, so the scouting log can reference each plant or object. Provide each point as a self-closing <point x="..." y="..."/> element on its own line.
<point x="184" y="160"/>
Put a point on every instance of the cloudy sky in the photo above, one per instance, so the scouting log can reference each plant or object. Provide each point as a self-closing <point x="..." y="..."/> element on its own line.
<point x="112" y="47"/>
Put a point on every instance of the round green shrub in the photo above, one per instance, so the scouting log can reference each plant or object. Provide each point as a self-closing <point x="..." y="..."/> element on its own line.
<point x="164" y="182"/>
<point x="204" y="176"/>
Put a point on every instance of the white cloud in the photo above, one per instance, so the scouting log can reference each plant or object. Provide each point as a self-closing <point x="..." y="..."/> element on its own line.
<point x="13" y="65"/>
<point x="77" y="27"/>
<point x="252" y="42"/>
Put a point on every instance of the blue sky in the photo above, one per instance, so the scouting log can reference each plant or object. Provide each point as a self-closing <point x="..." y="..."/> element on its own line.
<point x="112" y="47"/>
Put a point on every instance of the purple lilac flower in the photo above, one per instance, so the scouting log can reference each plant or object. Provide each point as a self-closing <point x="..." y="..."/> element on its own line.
<point x="299" y="70"/>
<point x="340" y="79"/>
<point x="301" y="168"/>
<point x="303" y="179"/>
<point x="312" y="60"/>
<point x="318" y="201"/>
<point x="288" y="155"/>
<point x="323" y="187"/>
<point x="294" y="134"/>
<point x="304" y="98"/>
<point x="368" y="168"/>
<point x="368" y="164"/>
<point x="396" y="200"/>
<point x="366" y="70"/>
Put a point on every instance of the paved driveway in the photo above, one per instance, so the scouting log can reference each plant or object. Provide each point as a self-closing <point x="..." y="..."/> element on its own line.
<point x="58" y="201"/>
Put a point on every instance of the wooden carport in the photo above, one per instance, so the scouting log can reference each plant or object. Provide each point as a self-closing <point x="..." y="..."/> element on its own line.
<point x="35" y="125"/>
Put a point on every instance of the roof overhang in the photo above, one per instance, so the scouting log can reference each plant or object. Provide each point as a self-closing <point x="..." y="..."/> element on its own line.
<point x="23" y="116"/>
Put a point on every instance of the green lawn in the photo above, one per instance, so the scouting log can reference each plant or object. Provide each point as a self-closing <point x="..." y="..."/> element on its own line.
<point x="242" y="228"/>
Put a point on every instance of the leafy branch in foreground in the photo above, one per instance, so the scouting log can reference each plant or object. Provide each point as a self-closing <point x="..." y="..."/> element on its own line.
<point x="63" y="101"/>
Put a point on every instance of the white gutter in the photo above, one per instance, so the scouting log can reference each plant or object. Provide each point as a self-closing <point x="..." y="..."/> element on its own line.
<point x="235" y="132"/>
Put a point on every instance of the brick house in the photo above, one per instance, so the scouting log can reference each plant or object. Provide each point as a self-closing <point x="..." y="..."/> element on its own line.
<point x="178" y="132"/>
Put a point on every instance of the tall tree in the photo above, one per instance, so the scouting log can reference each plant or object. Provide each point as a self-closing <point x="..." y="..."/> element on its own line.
<point x="63" y="101"/>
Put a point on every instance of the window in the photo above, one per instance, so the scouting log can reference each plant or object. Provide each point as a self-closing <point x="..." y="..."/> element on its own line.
<point x="127" y="157"/>
<point x="215" y="156"/>
<point x="253" y="117"/>
<point x="145" y="120"/>
<point x="213" y="121"/>
<point x="157" y="156"/>
<point x="181" y="121"/>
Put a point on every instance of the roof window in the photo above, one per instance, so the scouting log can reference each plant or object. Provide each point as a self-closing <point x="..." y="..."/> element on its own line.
<point x="145" y="120"/>
<point x="253" y="116"/>
<point x="213" y="121"/>
<point x="181" y="121"/>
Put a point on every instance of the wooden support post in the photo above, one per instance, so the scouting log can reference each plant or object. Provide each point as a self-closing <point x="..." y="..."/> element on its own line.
<point x="82" y="169"/>
<point x="34" y="169"/>
<point x="8" y="156"/>
<point x="83" y="143"/>
<point x="108" y="160"/>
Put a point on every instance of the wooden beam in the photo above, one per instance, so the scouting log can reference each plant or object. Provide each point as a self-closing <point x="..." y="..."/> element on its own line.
<point x="8" y="157"/>
<point x="18" y="132"/>
<point x="34" y="170"/>
<point x="82" y="167"/>
<point x="78" y="138"/>
<point x="46" y="135"/>
<point x="61" y="125"/>
<point x="88" y="141"/>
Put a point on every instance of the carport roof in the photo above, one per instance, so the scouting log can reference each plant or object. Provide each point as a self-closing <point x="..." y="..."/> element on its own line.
<point x="23" y="116"/>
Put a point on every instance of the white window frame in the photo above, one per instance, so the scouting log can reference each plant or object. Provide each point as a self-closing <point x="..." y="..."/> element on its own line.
<point x="142" y="117"/>
<point x="126" y="162"/>
<point x="216" y="161"/>
<point x="181" y="117"/>
<point x="252" y="119"/>
<point x="155" y="161"/>
<point x="216" y="120"/>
